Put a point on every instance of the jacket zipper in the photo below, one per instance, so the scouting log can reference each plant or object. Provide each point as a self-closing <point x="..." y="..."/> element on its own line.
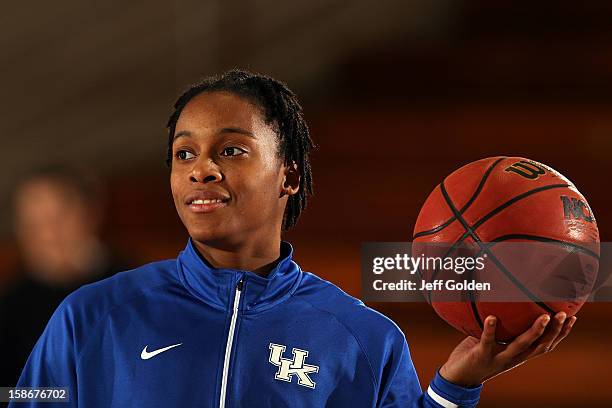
<point x="228" y="345"/>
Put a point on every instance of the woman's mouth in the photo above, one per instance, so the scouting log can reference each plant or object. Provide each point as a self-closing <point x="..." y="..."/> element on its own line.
<point x="206" y="201"/>
<point x="207" y="205"/>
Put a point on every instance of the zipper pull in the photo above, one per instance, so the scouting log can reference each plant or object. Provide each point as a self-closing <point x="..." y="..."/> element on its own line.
<point x="239" y="286"/>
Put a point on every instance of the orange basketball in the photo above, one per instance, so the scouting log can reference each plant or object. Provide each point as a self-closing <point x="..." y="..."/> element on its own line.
<point x="510" y="199"/>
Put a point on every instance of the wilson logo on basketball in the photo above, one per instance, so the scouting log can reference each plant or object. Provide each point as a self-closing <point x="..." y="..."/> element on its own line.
<point x="526" y="169"/>
<point x="575" y="208"/>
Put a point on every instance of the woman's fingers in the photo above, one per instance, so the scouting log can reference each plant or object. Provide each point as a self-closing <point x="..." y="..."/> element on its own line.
<point x="553" y="330"/>
<point x="530" y="344"/>
<point x="523" y="342"/>
<point x="487" y="339"/>
<point x="567" y="328"/>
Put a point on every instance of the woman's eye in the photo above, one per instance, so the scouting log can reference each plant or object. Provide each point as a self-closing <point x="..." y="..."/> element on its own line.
<point x="232" y="151"/>
<point x="184" y="155"/>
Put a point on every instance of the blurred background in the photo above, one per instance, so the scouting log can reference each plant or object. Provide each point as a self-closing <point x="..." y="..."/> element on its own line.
<point x="397" y="93"/>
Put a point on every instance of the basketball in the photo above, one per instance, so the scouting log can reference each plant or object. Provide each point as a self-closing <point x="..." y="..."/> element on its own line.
<point x="512" y="200"/>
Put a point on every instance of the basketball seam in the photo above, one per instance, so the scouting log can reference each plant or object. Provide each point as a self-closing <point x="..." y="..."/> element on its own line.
<point x="445" y="224"/>
<point x="468" y="228"/>
<point x="496" y="211"/>
<point x="508" y="203"/>
<point x="471" y="230"/>
<point x="514" y="200"/>
<point x="540" y="238"/>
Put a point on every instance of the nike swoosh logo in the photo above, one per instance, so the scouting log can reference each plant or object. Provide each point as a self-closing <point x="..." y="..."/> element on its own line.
<point x="145" y="355"/>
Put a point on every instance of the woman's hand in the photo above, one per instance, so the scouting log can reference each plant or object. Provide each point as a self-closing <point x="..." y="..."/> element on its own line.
<point x="474" y="361"/>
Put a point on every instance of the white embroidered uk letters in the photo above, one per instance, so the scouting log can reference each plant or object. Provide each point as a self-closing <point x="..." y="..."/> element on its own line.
<point x="288" y="368"/>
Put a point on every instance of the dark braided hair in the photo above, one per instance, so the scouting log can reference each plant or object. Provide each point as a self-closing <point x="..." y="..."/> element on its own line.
<point x="281" y="110"/>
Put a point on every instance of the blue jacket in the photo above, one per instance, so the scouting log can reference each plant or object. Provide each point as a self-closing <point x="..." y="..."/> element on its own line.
<point x="179" y="333"/>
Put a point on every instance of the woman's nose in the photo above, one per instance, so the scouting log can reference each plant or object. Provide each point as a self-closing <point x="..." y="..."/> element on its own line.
<point x="205" y="171"/>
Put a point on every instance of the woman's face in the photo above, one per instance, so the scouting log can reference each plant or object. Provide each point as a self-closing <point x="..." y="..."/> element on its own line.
<point x="226" y="175"/>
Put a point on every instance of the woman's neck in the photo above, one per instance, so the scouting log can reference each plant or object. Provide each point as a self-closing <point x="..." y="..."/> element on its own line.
<point x="257" y="257"/>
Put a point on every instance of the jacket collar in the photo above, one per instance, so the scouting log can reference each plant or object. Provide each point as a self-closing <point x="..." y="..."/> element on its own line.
<point x="216" y="287"/>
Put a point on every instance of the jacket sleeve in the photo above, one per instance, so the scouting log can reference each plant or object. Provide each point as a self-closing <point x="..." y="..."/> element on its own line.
<point x="52" y="362"/>
<point x="400" y="387"/>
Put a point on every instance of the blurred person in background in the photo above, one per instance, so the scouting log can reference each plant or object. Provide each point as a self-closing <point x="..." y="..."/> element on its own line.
<point x="57" y="217"/>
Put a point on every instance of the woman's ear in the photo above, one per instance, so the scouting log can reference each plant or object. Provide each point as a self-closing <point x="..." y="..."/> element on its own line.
<point x="291" y="180"/>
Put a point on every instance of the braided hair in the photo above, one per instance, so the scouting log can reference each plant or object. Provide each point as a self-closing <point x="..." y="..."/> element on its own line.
<point x="281" y="110"/>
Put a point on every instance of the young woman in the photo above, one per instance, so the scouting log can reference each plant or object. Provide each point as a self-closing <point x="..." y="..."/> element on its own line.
<point x="233" y="321"/>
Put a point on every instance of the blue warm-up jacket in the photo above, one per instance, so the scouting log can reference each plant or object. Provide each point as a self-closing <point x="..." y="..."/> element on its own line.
<point x="179" y="333"/>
